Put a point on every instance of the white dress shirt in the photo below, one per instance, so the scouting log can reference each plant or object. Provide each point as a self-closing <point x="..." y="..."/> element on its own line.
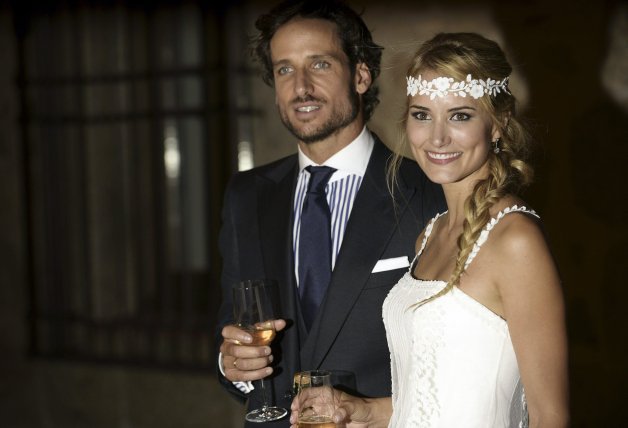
<point x="350" y="164"/>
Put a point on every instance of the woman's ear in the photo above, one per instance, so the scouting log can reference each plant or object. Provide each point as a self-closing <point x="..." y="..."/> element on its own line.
<point x="496" y="132"/>
<point x="503" y="124"/>
<point x="506" y="119"/>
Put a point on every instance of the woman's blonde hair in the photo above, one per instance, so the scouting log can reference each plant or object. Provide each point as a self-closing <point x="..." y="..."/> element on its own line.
<point x="458" y="55"/>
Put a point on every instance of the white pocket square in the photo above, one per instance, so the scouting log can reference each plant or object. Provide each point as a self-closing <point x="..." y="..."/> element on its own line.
<point x="390" y="264"/>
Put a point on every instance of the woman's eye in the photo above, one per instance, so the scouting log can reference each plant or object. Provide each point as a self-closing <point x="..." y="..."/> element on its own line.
<point x="460" y="116"/>
<point x="420" y="115"/>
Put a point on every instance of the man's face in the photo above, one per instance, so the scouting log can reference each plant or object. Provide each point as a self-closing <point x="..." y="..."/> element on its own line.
<point x="315" y="89"/>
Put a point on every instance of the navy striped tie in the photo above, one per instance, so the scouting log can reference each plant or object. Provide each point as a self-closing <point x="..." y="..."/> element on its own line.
<point x="314" y="244"/>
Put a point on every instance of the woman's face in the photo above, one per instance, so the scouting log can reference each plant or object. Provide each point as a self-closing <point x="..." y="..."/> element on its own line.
<point x="450" y="136"/>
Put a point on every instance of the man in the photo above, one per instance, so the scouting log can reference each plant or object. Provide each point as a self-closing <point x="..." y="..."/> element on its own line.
<point x="322" y="61"/>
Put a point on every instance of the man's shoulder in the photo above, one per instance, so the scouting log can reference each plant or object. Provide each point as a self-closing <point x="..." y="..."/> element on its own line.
<point x="409" y="177"/>
<point x="274" y="170"/>
<point x="408" y="170"/>
<point x="409" y="167"/>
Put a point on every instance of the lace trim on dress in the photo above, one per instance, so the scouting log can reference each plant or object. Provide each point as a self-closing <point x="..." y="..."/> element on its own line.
<point x="428" y="232"/>
<point x="519" y="417"/>
<point x="490" y="225"/>
<point x="427" y="411"/>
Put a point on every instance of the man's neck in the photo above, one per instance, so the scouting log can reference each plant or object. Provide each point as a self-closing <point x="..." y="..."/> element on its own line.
<point x="322" y="150"/>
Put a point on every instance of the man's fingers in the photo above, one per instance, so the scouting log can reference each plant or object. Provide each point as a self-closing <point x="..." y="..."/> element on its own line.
<point x="247" y="369"/>
<point x="248" y="364"/>
<point x="280" y="324"/>
<point x="233" y="350"/>
<point x="240" y="376"/>
<point x="234" y="334"/>
<point x="245" y="363"/>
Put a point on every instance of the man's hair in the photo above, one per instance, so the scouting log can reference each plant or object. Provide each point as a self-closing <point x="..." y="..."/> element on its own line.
<point x="355" y="37"/>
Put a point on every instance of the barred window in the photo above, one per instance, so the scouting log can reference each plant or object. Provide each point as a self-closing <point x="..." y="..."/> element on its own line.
<point x="126" y="149"/>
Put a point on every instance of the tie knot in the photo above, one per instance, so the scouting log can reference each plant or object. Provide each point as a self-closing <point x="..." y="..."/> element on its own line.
<point x="319" y="176"/>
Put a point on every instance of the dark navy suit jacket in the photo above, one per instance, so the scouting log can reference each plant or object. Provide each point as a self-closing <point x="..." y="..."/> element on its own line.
<point x="348" y="333"/>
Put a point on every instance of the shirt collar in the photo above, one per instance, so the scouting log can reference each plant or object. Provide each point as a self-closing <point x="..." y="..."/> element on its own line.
<point x="352" y="159"/>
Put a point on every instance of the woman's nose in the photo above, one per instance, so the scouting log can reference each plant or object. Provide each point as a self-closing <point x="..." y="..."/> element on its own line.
<point x="440" y="135"/>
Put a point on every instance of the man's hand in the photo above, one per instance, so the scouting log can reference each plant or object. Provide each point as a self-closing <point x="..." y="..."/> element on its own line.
<point x="242" y="362"/>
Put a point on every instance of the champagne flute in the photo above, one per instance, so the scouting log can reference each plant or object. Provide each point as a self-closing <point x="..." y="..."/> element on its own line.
<point x="253" y="313"/>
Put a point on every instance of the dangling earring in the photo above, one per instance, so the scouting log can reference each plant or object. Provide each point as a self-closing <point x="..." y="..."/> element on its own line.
<point x="496" y="148"/>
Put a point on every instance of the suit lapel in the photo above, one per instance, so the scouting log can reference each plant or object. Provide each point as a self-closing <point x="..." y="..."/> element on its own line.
<point x="275" y="201"/>
<point x="370" y="227"/>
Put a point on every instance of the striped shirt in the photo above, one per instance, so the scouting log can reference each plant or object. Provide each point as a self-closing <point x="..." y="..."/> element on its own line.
<point x="350" y="164"/>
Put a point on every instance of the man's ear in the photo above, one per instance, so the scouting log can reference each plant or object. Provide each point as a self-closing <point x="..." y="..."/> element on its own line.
<point x="362" y="78"/>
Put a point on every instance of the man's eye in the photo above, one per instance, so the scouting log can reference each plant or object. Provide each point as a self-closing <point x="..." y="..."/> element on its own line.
<point x="283" y="70"/>
<point x="321" y="65"/>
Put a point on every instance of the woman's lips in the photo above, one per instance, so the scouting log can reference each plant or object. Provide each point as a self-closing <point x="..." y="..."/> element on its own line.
<point x="443" y="158"/>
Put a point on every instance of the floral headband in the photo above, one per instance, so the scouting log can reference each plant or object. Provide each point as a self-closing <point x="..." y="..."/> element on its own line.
<point x="442" y="86"/>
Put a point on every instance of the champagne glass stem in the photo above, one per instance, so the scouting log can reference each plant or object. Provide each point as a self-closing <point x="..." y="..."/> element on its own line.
<point x="265" y="400"/>
<point x="253" y="312"/>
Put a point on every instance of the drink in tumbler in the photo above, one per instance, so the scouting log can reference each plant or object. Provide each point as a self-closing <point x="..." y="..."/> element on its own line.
<point x="316" y="399"/>
<point x="316" y="422"/>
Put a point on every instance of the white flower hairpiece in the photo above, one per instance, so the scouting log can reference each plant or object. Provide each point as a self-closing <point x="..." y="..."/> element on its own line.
<point x="442" y="86"/>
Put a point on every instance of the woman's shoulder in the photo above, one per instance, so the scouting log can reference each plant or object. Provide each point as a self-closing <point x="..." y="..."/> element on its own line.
<point x="520" y="258"/>
<point x="516" y="228"/>
<point x="511" y="204"/>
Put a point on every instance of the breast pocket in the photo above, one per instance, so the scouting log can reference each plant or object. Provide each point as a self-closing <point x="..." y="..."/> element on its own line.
<point x="385" y="279"/>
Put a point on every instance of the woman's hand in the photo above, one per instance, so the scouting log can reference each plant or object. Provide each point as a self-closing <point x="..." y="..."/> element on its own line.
<point x="353" y="412"/>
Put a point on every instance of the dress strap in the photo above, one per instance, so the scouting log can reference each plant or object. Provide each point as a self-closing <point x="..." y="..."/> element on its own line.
<point x="490" y="225"/>
<point x="428" y="232"/>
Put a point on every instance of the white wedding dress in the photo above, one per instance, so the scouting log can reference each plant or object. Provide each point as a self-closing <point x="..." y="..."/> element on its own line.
<point x="452" y="360"/>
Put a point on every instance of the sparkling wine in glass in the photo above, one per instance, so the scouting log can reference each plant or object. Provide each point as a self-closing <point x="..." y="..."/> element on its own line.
<point x="253" y="313"/>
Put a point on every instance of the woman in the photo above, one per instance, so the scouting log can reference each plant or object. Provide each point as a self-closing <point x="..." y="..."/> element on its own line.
<point x="476" y="326"/>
